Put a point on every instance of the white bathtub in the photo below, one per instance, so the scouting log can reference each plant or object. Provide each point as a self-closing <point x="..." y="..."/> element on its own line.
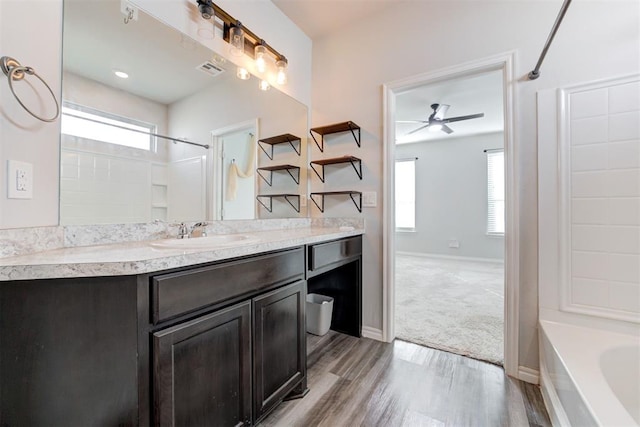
<point x="590" y="377"/>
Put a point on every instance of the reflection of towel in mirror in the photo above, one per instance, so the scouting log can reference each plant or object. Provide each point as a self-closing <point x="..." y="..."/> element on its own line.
<point x="235" y="172"/>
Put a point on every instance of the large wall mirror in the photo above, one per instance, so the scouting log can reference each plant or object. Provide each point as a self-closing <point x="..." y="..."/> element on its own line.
<point x="114" y="170"/>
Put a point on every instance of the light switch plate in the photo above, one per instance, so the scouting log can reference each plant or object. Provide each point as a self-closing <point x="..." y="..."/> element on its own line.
<point x="369" y="199"/>
<point x="19" y="180"/>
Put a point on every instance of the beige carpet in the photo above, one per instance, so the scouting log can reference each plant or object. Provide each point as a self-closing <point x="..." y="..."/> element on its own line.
<point x="452" y="305"/>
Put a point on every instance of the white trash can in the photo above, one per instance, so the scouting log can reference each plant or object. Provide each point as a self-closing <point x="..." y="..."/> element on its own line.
<point x="319" y="309"/>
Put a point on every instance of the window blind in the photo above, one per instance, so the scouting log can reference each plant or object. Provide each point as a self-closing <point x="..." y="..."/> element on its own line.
<point x="495" y="192"/>
<point x="405" y="194"/>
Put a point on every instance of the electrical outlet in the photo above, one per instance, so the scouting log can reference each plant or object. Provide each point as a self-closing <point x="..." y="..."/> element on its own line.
<point x="19" y="180"/>
<point x="369" y="199"/>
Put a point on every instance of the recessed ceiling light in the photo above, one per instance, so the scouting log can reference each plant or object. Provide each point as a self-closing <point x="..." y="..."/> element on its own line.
<point x="121" y="74"/>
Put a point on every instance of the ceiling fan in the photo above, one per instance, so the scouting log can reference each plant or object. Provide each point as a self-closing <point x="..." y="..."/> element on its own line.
<point x="436" y="120"/>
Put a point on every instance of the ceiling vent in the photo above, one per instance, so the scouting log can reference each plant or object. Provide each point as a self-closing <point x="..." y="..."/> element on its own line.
<point x="210" y="68"/>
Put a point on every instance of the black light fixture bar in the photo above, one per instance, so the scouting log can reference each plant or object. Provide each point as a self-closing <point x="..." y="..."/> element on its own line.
<point x="251" y="39"/>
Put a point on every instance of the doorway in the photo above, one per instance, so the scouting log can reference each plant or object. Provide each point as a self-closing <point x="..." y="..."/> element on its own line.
<point x="502" y="65"/>
<point x="233" y="171"/>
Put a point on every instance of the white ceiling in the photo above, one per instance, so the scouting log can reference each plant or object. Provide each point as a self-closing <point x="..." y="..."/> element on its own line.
<point x="320" y="17"/>
<point x="468" y="95"/>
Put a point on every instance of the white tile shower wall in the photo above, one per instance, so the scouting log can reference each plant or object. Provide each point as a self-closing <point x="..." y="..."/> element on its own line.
<point x="102" y="189"/>
<point x="604" y="129"/>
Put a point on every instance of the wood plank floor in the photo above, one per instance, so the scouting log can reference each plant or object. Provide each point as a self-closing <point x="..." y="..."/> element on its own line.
<point x="362" y="382"/>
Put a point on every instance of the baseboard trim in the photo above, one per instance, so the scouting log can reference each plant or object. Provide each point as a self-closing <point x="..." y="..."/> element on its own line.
<point x="528" y="375"/>
<point x="373" y="333"/>
<point x="452" y="257"/>
<point x="551" y="400"/>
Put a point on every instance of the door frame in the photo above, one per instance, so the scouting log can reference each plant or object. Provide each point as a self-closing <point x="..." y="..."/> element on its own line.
<point x="505" y="63"/>
<point x="215" y="166"/>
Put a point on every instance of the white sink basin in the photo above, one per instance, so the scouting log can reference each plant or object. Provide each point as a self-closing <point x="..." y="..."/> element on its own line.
<point x="203" y="242"/>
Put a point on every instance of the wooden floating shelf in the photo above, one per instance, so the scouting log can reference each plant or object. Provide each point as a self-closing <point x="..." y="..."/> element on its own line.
<point x="335" y="161"/>
<point x="286" y="138"/>
<point x="335" y="128"/>
<point x="287" y="197"/>
<point x="271" y="169"/>
<point x="350" y="193"/>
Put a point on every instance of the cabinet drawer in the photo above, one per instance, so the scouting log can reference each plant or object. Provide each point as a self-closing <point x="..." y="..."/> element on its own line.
<point x="324" y="254"/>
<point x="176" y="293"/>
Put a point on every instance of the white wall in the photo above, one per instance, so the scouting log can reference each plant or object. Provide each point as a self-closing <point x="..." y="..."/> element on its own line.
<point x="597" y="39"/>
<point x="451" y="197"/>
<point x="589" y="199"/>
<point x="31" y="33"/>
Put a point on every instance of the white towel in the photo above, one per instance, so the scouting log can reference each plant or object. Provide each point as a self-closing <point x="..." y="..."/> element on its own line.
<point x="235" y="172"/>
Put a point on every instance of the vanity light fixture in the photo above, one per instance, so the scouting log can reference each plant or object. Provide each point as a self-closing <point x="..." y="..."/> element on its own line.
<point x="206" y="8"/>
<point x="243" y="74"/>
<point x="264" y="85"/>
<point x="121" y="74"/>
<point x="259" y="52"/>
<point x="282" y="63"/>
<point x="236" y="39"/>
<point x="239" y="37"/>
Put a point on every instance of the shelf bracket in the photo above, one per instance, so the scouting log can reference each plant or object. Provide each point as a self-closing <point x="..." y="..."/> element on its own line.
<point x="320" y="144"/>
<point x="270" y="156"/>
<point x="316" y="203"/>
<point x="268" y="208"/>
<point x="297" y="150"/>
<point x="295" y="179"/>
<point x="316" y="171"/>
<point x="357" y="169"/>
<point x="268" y="181"/>
<point x="297" y="209"/>
<point x="357" y="203"/>
<point x="287" y="197"/>
<point x="354" y="135"/>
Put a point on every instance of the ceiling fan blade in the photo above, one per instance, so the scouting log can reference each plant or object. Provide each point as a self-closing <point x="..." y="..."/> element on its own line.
<point x="457" y="119"/>
<point x="446" y="129"/>
<point x="411" y="121"/>
<point x="416" y="130"/>
<point x="441" y="111"/>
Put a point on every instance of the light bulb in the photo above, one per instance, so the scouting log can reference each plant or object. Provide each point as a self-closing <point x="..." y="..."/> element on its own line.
<point x="260" y="51"/>
<point x="435" y="128"/>
<point x="282" y="71"/>
<point x="243" y="74"/>
<point x="121" y="74"/>
<point x="206" y="29"/>
<point x="264" y="85"/>
<point x="236" y="39"/>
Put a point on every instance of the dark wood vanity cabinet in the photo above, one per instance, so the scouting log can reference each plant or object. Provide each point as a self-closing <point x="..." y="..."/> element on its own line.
<point x="279" y="346"/>
<point x="202" y="370"/>
<point x="216" y="344"/>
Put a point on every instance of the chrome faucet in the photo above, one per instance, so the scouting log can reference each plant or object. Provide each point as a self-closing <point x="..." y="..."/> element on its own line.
<point x="183" y="232"/>
<point x="198" y="230"/>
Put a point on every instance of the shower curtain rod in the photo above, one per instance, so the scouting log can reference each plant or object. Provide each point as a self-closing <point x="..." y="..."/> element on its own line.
<point x="157" y="135"/>
<point x="536" y="71"/>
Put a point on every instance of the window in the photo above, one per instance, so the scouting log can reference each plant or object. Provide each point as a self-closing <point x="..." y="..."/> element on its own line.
<point x="495" y="192"/>
<point x="405" y="195"/>
<point x="85" y="122"/>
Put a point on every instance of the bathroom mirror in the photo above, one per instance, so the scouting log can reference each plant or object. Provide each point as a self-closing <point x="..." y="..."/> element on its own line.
<point x="113" y="170"/>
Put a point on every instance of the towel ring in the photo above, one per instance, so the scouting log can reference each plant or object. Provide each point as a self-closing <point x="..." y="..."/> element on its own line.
<point x="15" y="71"/>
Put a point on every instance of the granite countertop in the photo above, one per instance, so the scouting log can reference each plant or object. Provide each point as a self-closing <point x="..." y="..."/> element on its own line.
<point x="121" y="259"/>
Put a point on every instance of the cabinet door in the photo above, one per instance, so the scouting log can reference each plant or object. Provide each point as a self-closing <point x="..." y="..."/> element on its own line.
<point x="279" y="346"/>
<point x="202" y="370"/>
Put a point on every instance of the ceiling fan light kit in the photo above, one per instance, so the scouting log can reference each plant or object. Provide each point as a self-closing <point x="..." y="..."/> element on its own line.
<point x="437" y="122"/>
